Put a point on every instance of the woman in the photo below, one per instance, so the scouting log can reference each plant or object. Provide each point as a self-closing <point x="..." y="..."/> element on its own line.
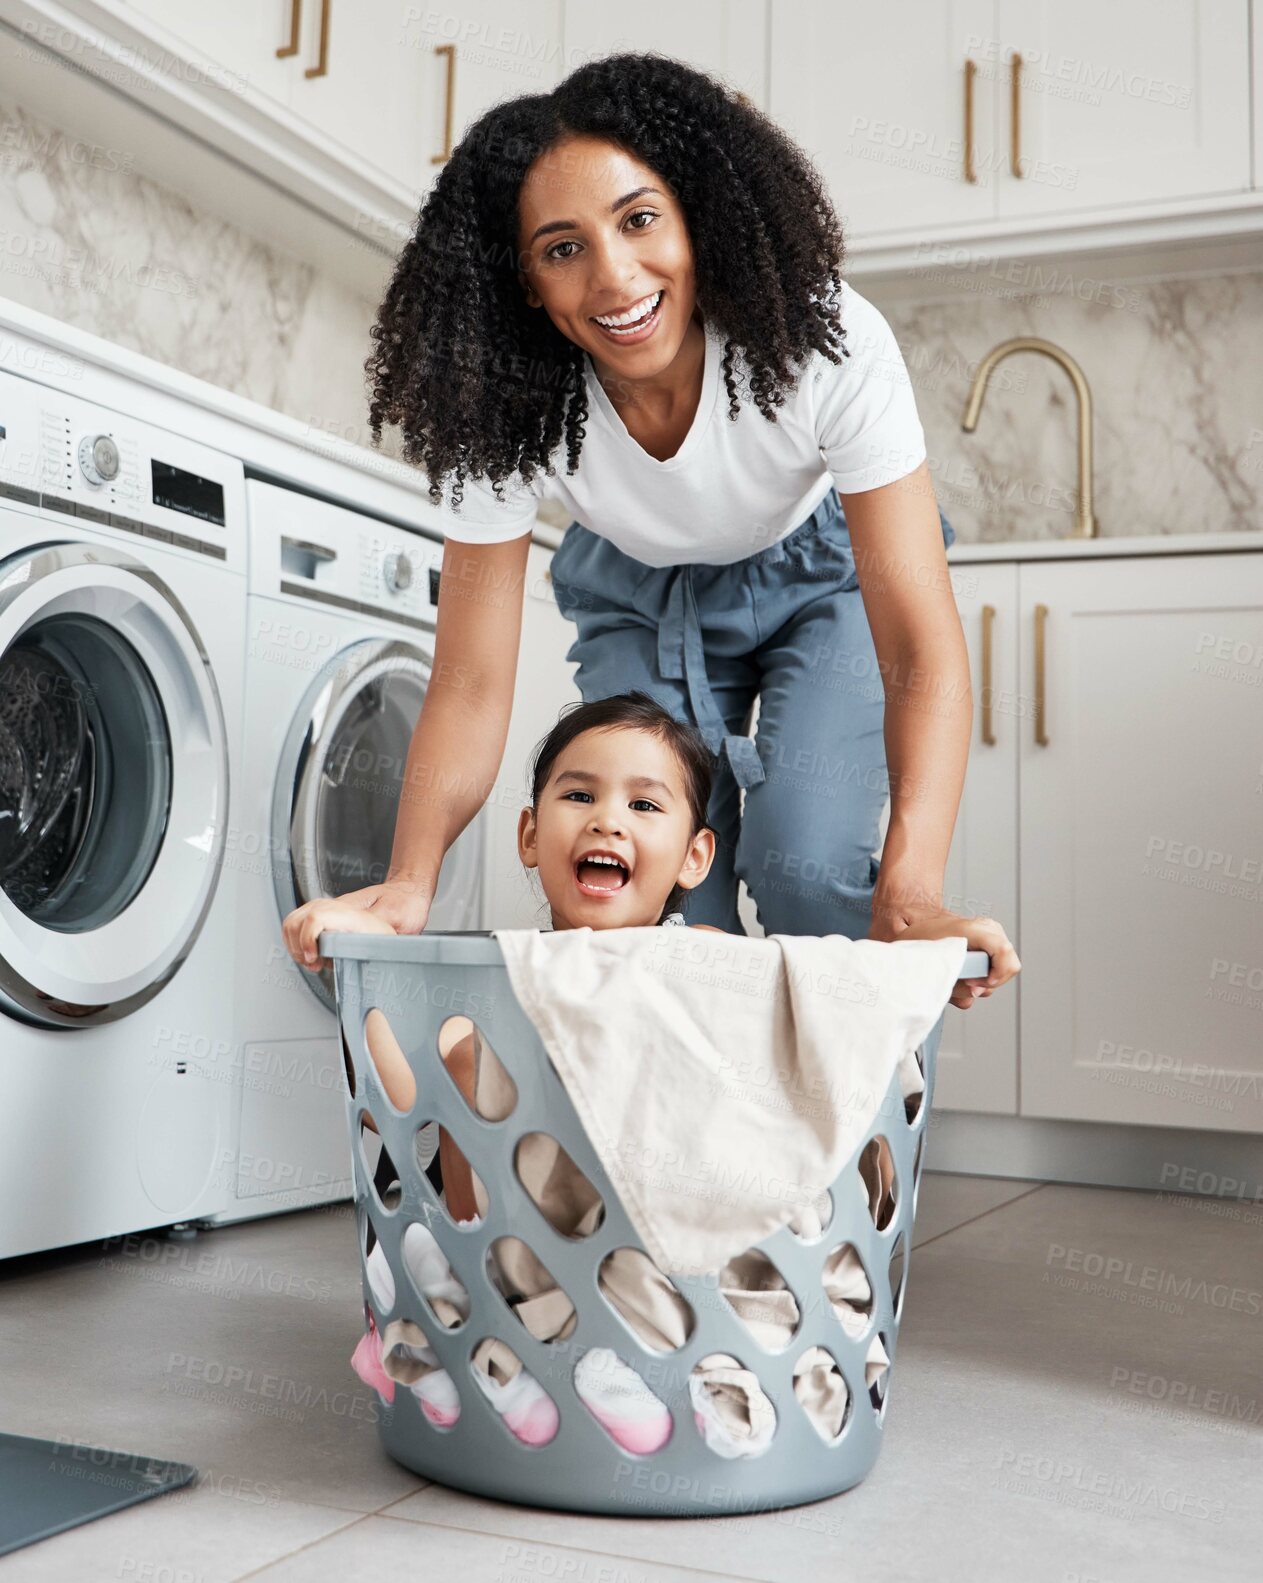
<point x="639" y="276"/>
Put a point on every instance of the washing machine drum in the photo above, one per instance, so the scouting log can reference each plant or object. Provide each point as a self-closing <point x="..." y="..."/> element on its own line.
<point x="111" y="747"/>
<point x="339" y="784"/>
<point x="85" y="773"/>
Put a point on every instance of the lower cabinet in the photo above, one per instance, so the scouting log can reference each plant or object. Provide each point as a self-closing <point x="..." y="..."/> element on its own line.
<point x="1126" y="738"/>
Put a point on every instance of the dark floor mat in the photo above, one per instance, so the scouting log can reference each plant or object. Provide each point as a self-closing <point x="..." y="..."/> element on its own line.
<point x="47" y="1486"/>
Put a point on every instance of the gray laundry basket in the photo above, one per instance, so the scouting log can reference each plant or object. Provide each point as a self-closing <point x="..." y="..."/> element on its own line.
<point x="418" y="982"/>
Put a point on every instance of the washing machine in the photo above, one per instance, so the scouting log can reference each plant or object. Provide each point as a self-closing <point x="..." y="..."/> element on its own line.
<point x="122" y="628"/>
<point x="339" y="653"/>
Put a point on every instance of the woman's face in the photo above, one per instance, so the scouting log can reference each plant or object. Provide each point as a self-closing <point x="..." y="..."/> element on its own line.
<point x="599" y="234"/>
<point x="618" y="792"/>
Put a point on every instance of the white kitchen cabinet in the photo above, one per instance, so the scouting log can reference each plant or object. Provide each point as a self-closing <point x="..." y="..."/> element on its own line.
<point x="1118" y="108"/>
<point x="1141" y="842"/>
<point x="723" y="37"/>
<point x="399" y="76"/>
<point x="978" y="1053"/>
<point x="512" y="895"/>
<point x="1120" y="104"/>
<point x="374" y="77"/>
<point x="877" y="99"/>
<point x="241" y="39"/>
<point x="1135" y="121"/>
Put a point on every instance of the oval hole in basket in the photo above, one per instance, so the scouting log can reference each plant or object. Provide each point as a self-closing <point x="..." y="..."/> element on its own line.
<point x="387" y="1187"/>
<point x="730" y="1404"/>
<point x="530" y="1289"/>
<point x="877" y="1183"/>
<point x="524" y="1407"/>
<point x="389" y="1062"/>
<point x="877" y="1373"/>
<point x="896" y="1276"/>
<point x="464" y="1197"/>
<point x="812" y="1221"/>
<point x="432" y="1275"/>
<point x="409" y="1360"/>
<point x="847" y="1288"/>
<point x="620" y="1401"/>
<point x="377" y="1271"/>
<point x="914" y="1102"/>
<point x="476" y="1069"/>
<point x="557" y="1187"/>
<point x="758" y="1295"/>
<point x="631" y="1283"/>
<point x="348" y="1063"/>
<point x="823" y="1394"/>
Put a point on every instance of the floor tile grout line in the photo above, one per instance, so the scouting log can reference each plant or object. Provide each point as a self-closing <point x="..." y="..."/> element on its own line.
<point x="981" y="1215"/>
<point x="254" y="1572"/>
<point x="582" y="1550"/>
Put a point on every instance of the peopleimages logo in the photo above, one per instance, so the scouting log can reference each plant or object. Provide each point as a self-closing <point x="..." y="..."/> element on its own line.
<point x="1152" y="1278"/>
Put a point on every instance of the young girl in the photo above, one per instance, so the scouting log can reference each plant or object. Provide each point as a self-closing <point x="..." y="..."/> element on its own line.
<point x="617" y="833"/>
<point x="625" y="296"/>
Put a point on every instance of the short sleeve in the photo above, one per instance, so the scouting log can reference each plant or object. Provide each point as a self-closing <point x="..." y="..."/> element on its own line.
<point x="484" y="519"/>
<point x="866" y="417"/>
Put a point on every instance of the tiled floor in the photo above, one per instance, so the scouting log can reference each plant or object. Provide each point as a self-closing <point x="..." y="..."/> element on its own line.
<point x="1045" y="1422"/>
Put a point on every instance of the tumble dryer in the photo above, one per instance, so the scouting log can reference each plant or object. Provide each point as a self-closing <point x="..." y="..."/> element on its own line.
<point x="122" y="600"/>
<point x="339" y="653"/>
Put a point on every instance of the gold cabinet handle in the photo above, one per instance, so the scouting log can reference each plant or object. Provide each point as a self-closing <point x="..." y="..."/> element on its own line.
<point x="970" y="72"/>
<point x="449" y="110"/>
<point x="321" y="68"/>
<point x="1015" y="116"/>
<point x="1041" y="698"/>
<point x="988" y="727"/>
<point x="295" y="23"/>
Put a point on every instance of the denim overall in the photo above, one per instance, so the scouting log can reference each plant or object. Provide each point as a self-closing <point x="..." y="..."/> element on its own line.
<point x="787" y="626"/>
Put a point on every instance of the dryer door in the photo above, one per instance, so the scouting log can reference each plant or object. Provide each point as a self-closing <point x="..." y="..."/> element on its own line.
<point x="338" y="784"/>
<point x="113" y="784"/>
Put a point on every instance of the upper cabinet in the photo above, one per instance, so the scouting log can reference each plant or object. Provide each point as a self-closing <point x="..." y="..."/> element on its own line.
<point x="1009" y="126"/>
<point x="727" y="38"/>
<point x="389" y="86"/>
<point x="1128" y="103"/>
<point x="879" y="99"/>
<point x="960" y="118"/>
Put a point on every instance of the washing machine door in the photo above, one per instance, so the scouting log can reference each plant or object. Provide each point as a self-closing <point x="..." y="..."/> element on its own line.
<point x="113" y="784"/>
<point x="338" y="785"/>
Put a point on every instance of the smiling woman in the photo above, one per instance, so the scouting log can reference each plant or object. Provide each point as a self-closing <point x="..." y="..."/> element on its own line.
<point x="626" y="295"/>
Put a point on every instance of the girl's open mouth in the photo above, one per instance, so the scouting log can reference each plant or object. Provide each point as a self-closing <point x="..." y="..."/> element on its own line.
<point x="639" y="329"/>
<point x="600" y="876"/>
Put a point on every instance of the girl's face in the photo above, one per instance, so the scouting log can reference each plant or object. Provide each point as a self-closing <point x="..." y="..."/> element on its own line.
<point x="616" y="792"/>
<point x="600" y="234"/>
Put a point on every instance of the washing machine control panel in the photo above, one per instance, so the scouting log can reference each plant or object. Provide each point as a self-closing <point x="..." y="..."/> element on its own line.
<point x="71" y="458"/>
<point x="320" y="552"/>
<point x="98" y="458"/>
<point x="397" y="571"/>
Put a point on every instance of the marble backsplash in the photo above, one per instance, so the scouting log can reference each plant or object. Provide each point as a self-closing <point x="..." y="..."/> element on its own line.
<point x="1175" y="362"/>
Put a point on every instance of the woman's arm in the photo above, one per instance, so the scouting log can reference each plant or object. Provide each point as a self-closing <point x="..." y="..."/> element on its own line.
<point x="457" y="744"/>
<point x="906" y="585"/>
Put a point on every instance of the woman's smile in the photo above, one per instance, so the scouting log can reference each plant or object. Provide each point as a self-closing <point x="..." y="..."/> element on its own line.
<point x="634" y="325"/>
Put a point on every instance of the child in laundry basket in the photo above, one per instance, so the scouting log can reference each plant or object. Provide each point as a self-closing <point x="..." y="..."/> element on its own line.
<point x="617" y="831"/>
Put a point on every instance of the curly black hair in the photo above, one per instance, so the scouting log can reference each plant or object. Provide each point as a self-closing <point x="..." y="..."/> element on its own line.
<point x="480" y="385"/>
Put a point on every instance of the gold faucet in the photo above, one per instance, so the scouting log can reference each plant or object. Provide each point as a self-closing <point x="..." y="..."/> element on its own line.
<point x="1085" y="525"/>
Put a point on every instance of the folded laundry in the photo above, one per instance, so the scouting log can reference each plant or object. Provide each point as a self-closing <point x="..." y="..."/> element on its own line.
<point x="679" y="1087"/>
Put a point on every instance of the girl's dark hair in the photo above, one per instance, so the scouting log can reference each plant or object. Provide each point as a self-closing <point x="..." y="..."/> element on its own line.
<point x="639" y="711"/>
<point x="480" y="384"/>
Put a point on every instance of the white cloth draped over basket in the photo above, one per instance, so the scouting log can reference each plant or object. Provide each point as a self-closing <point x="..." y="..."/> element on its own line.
<point x="724" y="1081"/>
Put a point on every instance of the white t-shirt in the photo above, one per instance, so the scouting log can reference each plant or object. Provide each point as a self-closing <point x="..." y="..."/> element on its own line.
<point x="735" y="486"/>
